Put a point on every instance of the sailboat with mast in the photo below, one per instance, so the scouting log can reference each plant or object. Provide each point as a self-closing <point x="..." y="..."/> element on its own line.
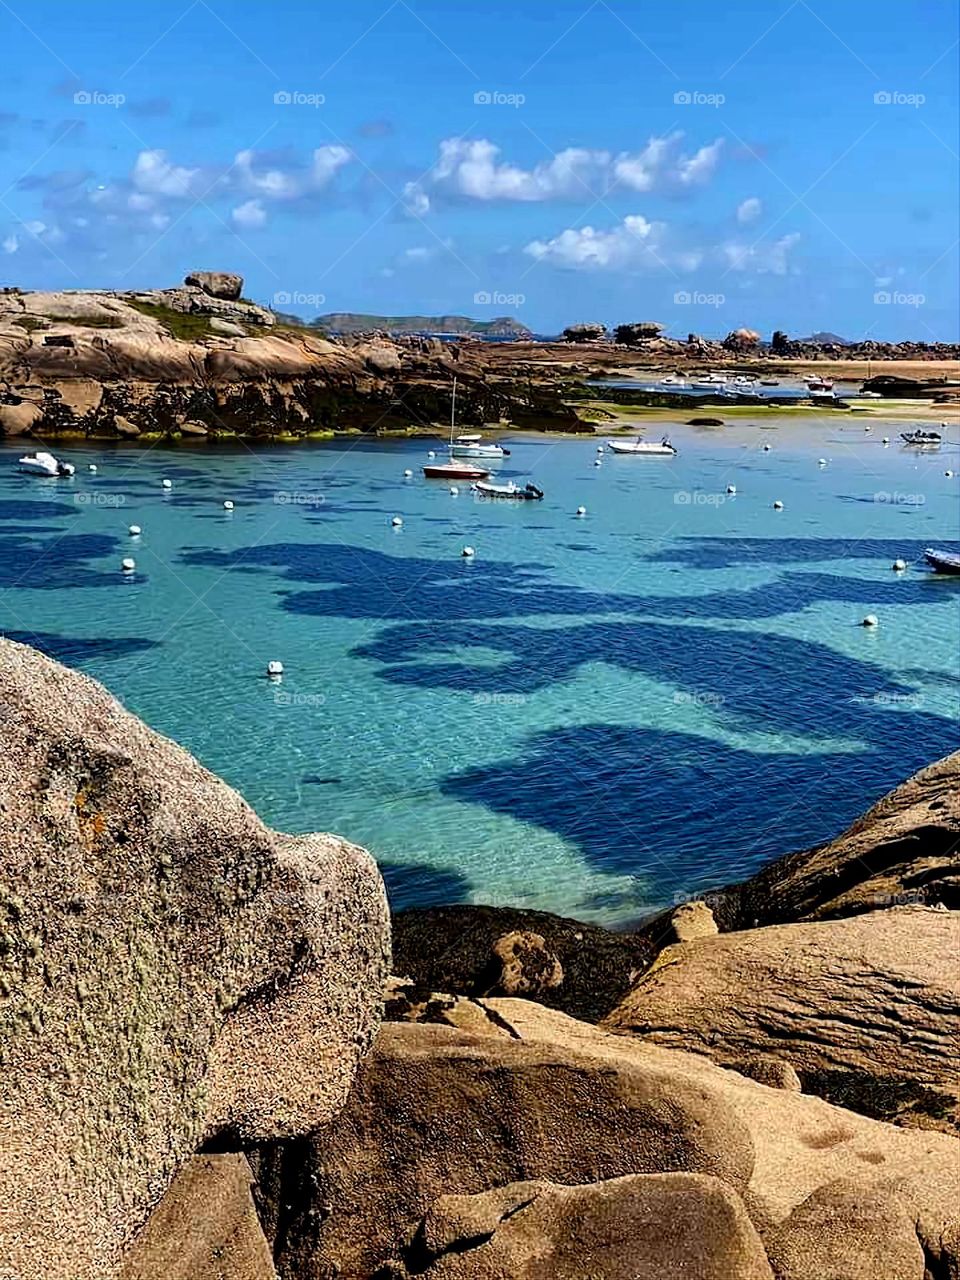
<point x="455" y="469"/>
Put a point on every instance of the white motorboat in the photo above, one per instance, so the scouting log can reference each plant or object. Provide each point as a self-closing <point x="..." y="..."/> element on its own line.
<point x="711" y="381"/>
<point x="645" y="448"/>
<point x="823" y="395"/>
<point x="478" y="449"/>
<point x="45" y="464"/>
<point x="529" y="492"/>
<point x="672" y="380"/>
<point x="819" y="384"/>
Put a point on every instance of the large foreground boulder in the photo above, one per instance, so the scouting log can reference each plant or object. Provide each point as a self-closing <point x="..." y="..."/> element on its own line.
<point x="437" y="1112"/>
<point x="906" y="849"/>
<point x="174" y="973"/>
<point x="644" y="1227"/>
<point x="867" y="1010"/>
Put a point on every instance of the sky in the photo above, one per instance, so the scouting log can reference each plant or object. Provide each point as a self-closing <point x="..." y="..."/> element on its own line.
<point x="768" y="163"/>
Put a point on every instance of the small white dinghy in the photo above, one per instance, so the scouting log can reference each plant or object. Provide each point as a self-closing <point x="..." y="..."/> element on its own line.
<point x="477" y="449"/>
<point x="45" y="464"/>
<point x="644" y="448"/>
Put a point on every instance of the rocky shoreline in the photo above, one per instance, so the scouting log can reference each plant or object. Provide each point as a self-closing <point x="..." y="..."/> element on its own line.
<point x="198" y="361"/>
<point x="757" y="1085"/>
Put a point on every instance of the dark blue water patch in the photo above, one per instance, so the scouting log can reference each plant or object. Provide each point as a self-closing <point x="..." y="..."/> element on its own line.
<point x="767" y="683"/>
<point x="77" y="651"/>
<point x="25" y="510"/>
<point x="367" y="584"/>
<point x="659" y="806"/>
<point x="419" y="885"/>
<point x="314" y="781"/>
<point x="56" y="563"/>
<point x="726" y="553"/>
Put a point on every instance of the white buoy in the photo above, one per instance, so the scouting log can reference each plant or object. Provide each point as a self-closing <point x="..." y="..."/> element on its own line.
<point x="468" y="552"/>
<point x="92" y="467"/>
<point x="948" y="474"/>
<point x="431" y="454"/>
<point x="731" y="488"/>
<point x="766" y="448"/>
<point x="454" y="490"/>
<point x="134" y="531"/>
<point x="128" y="565"/>
<point x="869" y="621"/>
<point x="899" y="565"/>
<point x="821" y="462"/>
<point x="397" y="521"/>
<point x="275" y="668"/>
<point x="868" y="428"/>
<point x="407" y="475"/>
<point x="885" y="440"/>
<point x="599" y="448"/>
<point x="228" y="505"/>
<point x="778" y="505"/>
<point x="581" y="511"/>
<point x="166" y="484"/>
<point x="598" y="463"/>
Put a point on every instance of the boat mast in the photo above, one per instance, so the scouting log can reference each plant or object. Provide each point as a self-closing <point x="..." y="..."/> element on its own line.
<point x="453" y="407"/>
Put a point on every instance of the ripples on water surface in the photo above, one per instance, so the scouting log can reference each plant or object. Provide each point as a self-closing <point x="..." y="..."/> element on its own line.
<point x="593" y="716"/>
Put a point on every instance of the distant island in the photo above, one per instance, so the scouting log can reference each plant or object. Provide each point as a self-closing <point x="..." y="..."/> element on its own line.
<point x="356" y="322"/>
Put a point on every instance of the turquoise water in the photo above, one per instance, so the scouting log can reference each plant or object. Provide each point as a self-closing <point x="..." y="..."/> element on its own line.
<point x="594" y="716"/>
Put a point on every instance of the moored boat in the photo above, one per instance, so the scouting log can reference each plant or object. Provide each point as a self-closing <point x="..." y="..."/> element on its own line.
<point x="921" y="438"/>
<point x="454" y="470"/>
<point x="478" y="449"/>
<point x="819" y="384"/>
<point x="646" y="448"/>
<point x="943" y="561"/>
<point x="45" y="464"/>
<point x="528" y="493"/>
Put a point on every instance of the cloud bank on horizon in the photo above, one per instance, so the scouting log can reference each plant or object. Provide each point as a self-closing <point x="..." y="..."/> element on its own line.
<point x="789" y="185"/>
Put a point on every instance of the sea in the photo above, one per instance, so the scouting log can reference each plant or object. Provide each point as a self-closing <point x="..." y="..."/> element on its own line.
<point x="595" y="714"/>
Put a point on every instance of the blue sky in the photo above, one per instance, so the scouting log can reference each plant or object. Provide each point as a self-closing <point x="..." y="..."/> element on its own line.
<point x="707" y="166"/>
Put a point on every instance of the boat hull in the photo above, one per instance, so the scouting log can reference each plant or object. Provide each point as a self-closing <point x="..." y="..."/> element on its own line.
<point x="454" y="471"/>
<point x="641" y="449"/>
<point x="942" y="561"/>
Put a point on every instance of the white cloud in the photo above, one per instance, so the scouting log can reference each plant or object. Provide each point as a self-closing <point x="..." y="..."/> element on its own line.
<point x="155" y="175"/>
<point x="11" y="244"/>
<point x="764" y="259"/>
<point x="749" y="210"/>
<point x="474" y="170"/>
<point x="275" y="183"/>
<point x="249" y="215"/>
<point x="327" y="161"/>
<point x="35" y="228"/>
<point x="635" y="242"/>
